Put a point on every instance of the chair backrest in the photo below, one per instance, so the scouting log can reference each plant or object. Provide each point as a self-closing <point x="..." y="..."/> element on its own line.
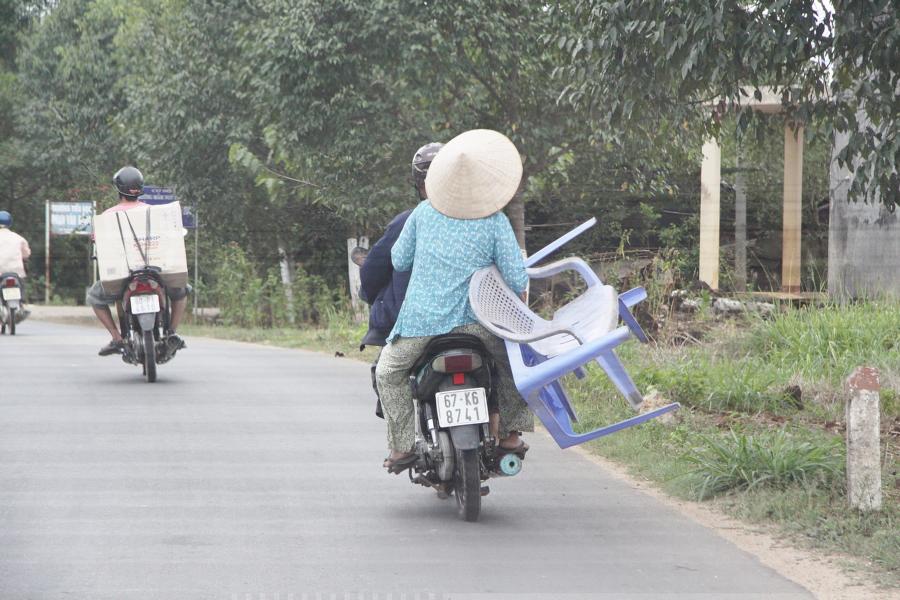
<point x="499" y="309"/>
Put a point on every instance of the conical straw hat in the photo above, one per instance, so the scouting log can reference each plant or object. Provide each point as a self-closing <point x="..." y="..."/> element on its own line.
<point x="474" y="175"/>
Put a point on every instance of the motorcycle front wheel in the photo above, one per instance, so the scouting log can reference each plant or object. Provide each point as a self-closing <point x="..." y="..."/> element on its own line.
<point x="149" y="356"/>
<point x="467" y="484"/>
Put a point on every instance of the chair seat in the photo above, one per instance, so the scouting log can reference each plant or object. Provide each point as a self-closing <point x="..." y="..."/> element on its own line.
<point x="590" y="316"/>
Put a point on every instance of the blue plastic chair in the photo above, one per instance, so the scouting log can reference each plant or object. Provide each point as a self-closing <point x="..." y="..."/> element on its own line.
<point x="542" y="351"/>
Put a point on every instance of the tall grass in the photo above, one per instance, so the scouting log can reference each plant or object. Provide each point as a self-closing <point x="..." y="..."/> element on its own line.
<point x="831" y="341"/>
<point x="738" y="461"/>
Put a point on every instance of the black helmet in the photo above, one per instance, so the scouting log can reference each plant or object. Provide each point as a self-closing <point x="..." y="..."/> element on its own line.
<point x="129" y="182"/>
<point x="422" y="160"/>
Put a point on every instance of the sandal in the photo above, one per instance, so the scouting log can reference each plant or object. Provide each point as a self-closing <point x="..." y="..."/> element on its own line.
<point x="114" y="347"/>
<point x="398" y="465"/>
<point x="519" y="450"/>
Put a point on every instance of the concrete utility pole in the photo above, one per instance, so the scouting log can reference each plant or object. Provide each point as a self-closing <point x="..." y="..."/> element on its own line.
<point x="863" y="419"/>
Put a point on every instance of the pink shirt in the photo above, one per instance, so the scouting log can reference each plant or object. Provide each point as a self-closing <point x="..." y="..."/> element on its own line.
<point x="13" y="252"/>
<point x="125" y="205"/>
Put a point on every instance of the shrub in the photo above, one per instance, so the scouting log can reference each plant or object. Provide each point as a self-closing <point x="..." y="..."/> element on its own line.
<point x="248" y="299"/>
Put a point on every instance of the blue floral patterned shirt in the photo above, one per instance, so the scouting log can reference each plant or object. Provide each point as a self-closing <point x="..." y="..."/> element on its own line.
<point x="444" y="253"/>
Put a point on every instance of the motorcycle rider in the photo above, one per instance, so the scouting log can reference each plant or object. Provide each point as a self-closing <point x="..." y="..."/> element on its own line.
<point x="130" y="184"/>
<point x="382" y="286"/>
<point x="458" y="230"/>
<point x="14" y="251"/>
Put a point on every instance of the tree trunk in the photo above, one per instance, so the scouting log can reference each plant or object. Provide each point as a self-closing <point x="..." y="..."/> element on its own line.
<point x="515" y="210"/>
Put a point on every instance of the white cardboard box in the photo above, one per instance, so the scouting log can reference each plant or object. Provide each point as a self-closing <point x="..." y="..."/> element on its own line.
<point x="132" y="239"/>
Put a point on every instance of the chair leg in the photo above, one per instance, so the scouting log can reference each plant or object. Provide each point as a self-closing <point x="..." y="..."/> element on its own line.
<point x="616" y="372"/>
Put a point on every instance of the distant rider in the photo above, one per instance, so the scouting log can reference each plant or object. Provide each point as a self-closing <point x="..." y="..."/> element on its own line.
<point x="130" y="184"/>
<point x="14" y="250"/>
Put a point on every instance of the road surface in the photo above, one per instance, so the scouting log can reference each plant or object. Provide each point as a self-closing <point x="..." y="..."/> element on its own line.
<point x="249" y="472"/>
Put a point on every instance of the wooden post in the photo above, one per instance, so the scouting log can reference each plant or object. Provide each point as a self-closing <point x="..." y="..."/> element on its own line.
<point x="793" y="208"/>
<point x="863" y="444"/>
<point x="710" y="179"/>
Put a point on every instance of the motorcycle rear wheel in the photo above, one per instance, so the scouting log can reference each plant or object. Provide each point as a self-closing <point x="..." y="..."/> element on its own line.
<point x="12" y="321"/>
<point x="149" y="356"/>
<point x="467" y="484"/>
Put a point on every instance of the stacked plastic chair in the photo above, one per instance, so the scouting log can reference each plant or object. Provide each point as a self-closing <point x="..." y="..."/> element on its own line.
<point x="542" y="351"/>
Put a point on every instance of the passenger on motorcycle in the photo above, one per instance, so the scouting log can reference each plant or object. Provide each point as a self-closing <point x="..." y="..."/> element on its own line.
<point x="130" y="184"/>
<point x="458" y="230"/>
<point x="14" y="249"/>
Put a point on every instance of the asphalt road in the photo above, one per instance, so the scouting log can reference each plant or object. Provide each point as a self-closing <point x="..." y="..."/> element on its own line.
<point x="249" y="472"/>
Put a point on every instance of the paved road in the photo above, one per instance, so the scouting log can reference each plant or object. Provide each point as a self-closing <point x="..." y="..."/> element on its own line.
<point x="249" y="472"/>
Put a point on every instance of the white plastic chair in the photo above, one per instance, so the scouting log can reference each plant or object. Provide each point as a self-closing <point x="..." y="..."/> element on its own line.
<point x="541" y="351"/>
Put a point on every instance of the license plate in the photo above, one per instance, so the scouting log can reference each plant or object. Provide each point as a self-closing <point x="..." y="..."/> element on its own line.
<point x="13" y="293"/>
<point x="461" y="407"/>
<point x="141" y="305"/>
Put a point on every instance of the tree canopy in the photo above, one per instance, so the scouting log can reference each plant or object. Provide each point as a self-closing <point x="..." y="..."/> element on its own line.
<point x="291" y="124"/>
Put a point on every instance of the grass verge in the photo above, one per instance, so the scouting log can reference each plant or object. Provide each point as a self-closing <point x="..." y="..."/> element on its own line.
<point x="760" y="434"/>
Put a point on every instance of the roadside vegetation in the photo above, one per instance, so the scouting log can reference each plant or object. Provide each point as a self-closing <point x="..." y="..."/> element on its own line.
<point x="760" y="432"/>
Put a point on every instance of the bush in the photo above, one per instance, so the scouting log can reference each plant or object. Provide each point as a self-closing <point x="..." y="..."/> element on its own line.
<point x="742" y="462"/>
<point x="248" y="299"/>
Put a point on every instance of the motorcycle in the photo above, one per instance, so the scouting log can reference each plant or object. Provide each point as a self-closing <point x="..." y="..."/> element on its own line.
<point x="10" y="302"/>
<point x="144" y="317"/>
<point x="456" y="417"/>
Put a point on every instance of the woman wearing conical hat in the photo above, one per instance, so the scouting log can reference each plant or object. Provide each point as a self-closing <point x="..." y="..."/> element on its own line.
<point x="458" y="230"/>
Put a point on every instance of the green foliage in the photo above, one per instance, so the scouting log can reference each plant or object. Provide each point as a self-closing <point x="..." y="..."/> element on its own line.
<point x="649" y="63"/>
<point x="249" y="299"/>
<point x="737" y="461"/>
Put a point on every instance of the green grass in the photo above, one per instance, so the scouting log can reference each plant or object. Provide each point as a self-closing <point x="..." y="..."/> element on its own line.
<point x="739" y="461"/>
<point x="340" y="336"/>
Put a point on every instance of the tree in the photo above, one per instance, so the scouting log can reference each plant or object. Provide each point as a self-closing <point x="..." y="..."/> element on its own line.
<point x="657" y="59"/>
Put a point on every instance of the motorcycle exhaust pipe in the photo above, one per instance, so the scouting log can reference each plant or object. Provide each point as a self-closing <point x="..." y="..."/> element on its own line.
<point x="510" y="464"/>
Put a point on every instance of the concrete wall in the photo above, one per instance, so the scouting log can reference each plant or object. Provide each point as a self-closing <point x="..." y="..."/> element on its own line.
<point x="863" y="241"/>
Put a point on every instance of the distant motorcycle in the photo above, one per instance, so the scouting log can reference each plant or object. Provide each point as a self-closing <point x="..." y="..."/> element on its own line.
<point x="144" y="317"/>
<point x="455" y="420"/>
<point x="10" y="302"/>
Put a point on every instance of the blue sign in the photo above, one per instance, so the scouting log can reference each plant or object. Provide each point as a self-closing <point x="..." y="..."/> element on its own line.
<point x="164" y="195"/>
<point x="71" y="218"/>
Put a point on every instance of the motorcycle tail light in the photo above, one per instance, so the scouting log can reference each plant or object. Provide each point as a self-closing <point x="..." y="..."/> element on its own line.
<point x="10" y="282"/>
<point x="463" y="362"/>
<point x="459" y="378"/>
<point x="142" y="287"/>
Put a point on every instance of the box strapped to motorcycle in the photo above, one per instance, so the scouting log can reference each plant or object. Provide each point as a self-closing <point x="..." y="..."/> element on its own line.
<point x="542" y="351"/>
<point x="134" y="239"/>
